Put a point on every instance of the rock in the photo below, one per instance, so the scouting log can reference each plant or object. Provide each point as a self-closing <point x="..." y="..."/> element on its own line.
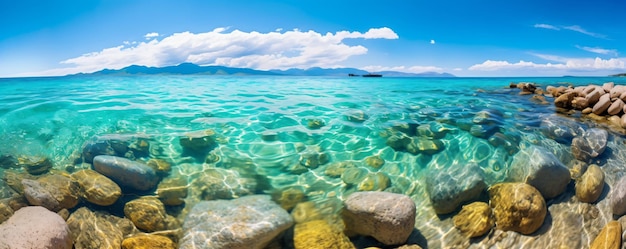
<point x="198" y="141"/>
<point x="147" y="213"/>
<point x="593" y="97"/>
<point x="315" y="123"/>
<point x="541" y="169"/>
<point x="97" y="188"/>
<point x="353" y="176"/>
<point x="374" y="161"/>
<point x="337" y="168"/>
<point x="587" y="110"/>
<point x="623" y="121"/>
<point x="398" y="142"/>
<point x="35" y="227"/>
<point x="432" y="130"/>
<point x="603" y="104"/>
<point x="54" y="192"/>
<point x="313" y="159"/>
<point x="318" y="234"/>
<point x="560" y="129"/>
<point x="423" y="145"/>
<point x="357" y="116"/>
<point x="484" y="130"/>
<point x="35" y="165"/>
<point x="306" y="211"/>
<point x="608" y="86"/>
<point x="147" y="241"/>
<point x="580" y="103"/>
<point x="388" y="217"/>
<point x="474" y="220"/>
<point x="517" y="207"/>
<point x="289" y="197"/>
<point x="374" y="182"/>
<point x="217" y="183"/>
<point x="8" y="162"/>
<point x="590" y="185"/>
<point x="565" y="100"/>
<point x="616" y="107"/>
<point x="173" y="191"/>
<point x="590" y="145"/>
<point x="248" y="222"/>
<point x="618" y="197"/>
<point x="98" y="230"/>
<point x="160" y="166"/>
<point x="108" y="144"/>
<point x="447" y="189"/>
<point x="126" y="172"/>
<point x="5" y="212"/>
<point x="609" y="237"/>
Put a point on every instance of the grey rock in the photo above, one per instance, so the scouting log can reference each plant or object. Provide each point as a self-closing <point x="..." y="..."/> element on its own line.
<point x="450" y="188"/>
<point x="248" y="222"/>
<point x="541" y="169"/>
<point x="591" y="144"/>
<point x="388" y="217"/>
<point x="35" y="227"/>
<point x="561" y="129"/>
<point x="618" y="197"/>
<point x="126" y="172"/>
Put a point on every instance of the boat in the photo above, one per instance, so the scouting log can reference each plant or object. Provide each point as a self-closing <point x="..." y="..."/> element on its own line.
<point x="372" y="75"/>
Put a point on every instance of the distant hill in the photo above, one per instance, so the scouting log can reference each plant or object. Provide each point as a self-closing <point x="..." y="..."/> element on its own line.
<point x="193" y="69"/>
<point x="618" y="75"/>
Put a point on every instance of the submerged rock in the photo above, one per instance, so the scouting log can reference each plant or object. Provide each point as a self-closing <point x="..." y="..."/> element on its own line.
<point x="517" y="207"/>
<point x="318" y="234"/>
<point x="618" y="197"/>
<point x="122" y="145"/>
<point x="35" y="165"/>
<point x="541" y="169"/>
<point x="335" y="169"/>
<point x="447" y="189"/>
<point x="198" y="141"/>
<point x="54" y="192"/>
<point x="474" y="220"/>
<point x="35" y="227"/>
<point x="126" y="172"/>
<point x="92" y="230"/>
<point x="148" y="241"/>
<point x="398" y="142"/>
<point x="374" y="182"/>
<point x="423" y="145"/>
<point x="97" y="188"/>
<point x="609" y="237"/>
<point x="147" y="213"/>
<point x="375" y="161"/>
<point x="561" y="129"/>
<point x="173" y="191"/>
<point x="590" y="185"/>
<point x="247" y="222"/>
<point x="590" y="145"/>
<point x="388" y="217"/>
<point x="289" y="197"/>
<point x="217" y="183"/>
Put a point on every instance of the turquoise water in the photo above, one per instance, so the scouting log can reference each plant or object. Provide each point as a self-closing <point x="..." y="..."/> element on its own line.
<point x="261" y="123"/>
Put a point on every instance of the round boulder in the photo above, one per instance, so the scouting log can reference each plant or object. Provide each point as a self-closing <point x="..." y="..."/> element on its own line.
<point x="618" y="197"/>
<point x="54" y="192"/>
<point x="590" y="145"/>
<point x="126" y="172"/>
<point x="147" y="213"/>
<point x="35" y="227"/>
<point x="541" y="169"/>
<point x="148" y="241"/>
<point x="319" y="234"/>
<point x="388" y="217"/>
<point x="609" y="237"/>
<point x="517" y="207"/>
<point x="474" y="220"/>
<point x="590" y="185"/>
<point x="97" y="188"/>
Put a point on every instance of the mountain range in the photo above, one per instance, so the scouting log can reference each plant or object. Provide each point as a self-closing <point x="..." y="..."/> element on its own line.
<point x="193" y="69"/>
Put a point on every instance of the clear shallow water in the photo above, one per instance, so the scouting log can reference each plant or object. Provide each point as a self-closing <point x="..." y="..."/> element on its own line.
<point x="54" y="117"/>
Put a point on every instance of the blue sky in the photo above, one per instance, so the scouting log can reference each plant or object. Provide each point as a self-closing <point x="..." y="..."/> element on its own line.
<point x="465" y="38"/>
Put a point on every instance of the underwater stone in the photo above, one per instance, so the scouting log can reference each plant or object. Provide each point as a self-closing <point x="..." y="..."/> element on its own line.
<point x="126" y="172"/>
<point x="318" y="234"/>
<point x="541" y="169"/>
<point x="109" y="144"/>
<point x="54" y="192"/>
<point x="398" y="142"/>
<point x="147" y="213"/>
<point x="432" y="130"/>
<point x="609" y="237"/>
<point x="517" y="207"/>
<point x="306" y="211"/>
<point x="35" y="165"/>
<point x="590" y="185"/>
<point x="97" y="188"/>
<point x="289" y="197"/>
<point x="590" y="145"/>
<point x="374" y="161"/>
<point x="248" y="222"/>
<point x="8" y="161"/>
<point x="388" y="217"/>
<point x="618" y="197"/>
<point x="198" y="141"/>
<point x="474" y="219"/>
<point x="92" y="230"/>
<point x="560" y="129"/>
<point x="35" y="227"/>
<point x="160" y="166"/>
<point x="335" y="169"/>
<point x="374" y="182"/>
<point x="357" y="116"/>
<point x="447" y="189"/>
<point x="148" y="241"/>
<point x="217" y="183"/>
<point x="424" y="145"/>
<point x="483" y="130"/>
<point x="172" y="191"/>
<point x="352" y="176"/>
<point x="314" y="123"/>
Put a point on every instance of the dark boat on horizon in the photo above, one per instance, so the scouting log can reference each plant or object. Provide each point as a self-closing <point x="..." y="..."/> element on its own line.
<point x="372" y="75"/>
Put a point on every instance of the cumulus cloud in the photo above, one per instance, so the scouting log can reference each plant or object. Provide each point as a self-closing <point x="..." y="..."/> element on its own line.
<point x="570" y="64"/>
<point x="432" y="41"/>
<point x="149" y="36"/>
<point x="272" y="50"/>
<point x="546" y="26"/>
<point x="599" y="50"/>
<point x="405" y="69"/>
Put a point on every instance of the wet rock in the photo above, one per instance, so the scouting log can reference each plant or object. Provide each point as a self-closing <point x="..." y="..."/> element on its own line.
<point x="580" y="103"/>
<point x="488" y="116"/>
<point x="374" y="161"/>
<point x="306" y="211"/>
<point x="148" y="241"/>
<point x="35" y="227"/>
<point x="335" y="169"/>
<point x="198" y="141"/>
<point x="289" y="197"/>
<point x="541" y="169"/>
<point x="517" y="207"/>
<point x="590" y="145"/>
<point x="593" y="97"/>
<point x="357" y="116"/>
<point x="318" y="234"/>
<point x="618" y="197"/>
<point x="353" y="176"/>
<point x="8" y="161"/>
<point x="565" y="100"/>
<point x="92" y="230"/>
<point x="447" y="189"/>
<point x="108" y="144"/>
<point x="561" y="129"/>
<point x="587" y="110"/>
<point x="602" y="105"/>
<point x="217" y="183"/>
<point x="312" y="159"/>
<point x="398" y="142"/>
<point x="126" y="172"/>
<point x="388" y="217"/>
<point x="54" y="192"/>
<point x="160" y="166"/>
<point x="147" y="213"/>
<point x="484" y="130"/>
<point x="35" y="165"/>
<point x="432" y="130"/>
<point x="229" y="228"/>
<point x="423" y="145"/>
<point x="5" y="212"/>
<point x="97" y="188"/>
<point x="374" y="182"/>
<point x="616" y="107"/>
<point x="590" y="185"/>
<point x="173" y="191"/>
<point x="609" y="237"/>
<point x="474" y="220"/>
<point x="315" y="123"/>
<point x="408" y="129"/>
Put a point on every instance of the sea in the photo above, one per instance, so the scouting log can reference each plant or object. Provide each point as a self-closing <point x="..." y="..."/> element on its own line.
<point x="290" y="130"/>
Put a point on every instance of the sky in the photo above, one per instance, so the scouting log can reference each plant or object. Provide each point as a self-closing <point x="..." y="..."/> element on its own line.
<point x="473" y="38"/>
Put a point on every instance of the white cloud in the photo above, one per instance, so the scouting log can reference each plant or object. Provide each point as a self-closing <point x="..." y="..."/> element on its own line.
<point x="458" y="69"/>
<point x="579" y="29"/>
<point x="569" y="64"/>
<point x="599" y="50"/>
<point x="149" y="36"/>
<point x="405" y="69"/>
<point x="432" y="41"/>
<point x="546" y="26"/>
<point x="272" y="50"/>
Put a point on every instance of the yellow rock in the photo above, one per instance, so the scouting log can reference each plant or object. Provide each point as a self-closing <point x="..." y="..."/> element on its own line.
<point x="610" y="237"/>
<point x="305" y="211"/>
<point x="319" y="234"/>
<point x="172" y="191"/>
<point x="148" y="241"/>
<point x="374" y="182"/>
<point x="97" y="188"/>
<point x="517" y="207"/>
<point x="147" y="213"/>
<point x="590" y="185"/>
<point x="474" y="219"/>
<point x="375" y="161"/>
<point x="289" y="197"/>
